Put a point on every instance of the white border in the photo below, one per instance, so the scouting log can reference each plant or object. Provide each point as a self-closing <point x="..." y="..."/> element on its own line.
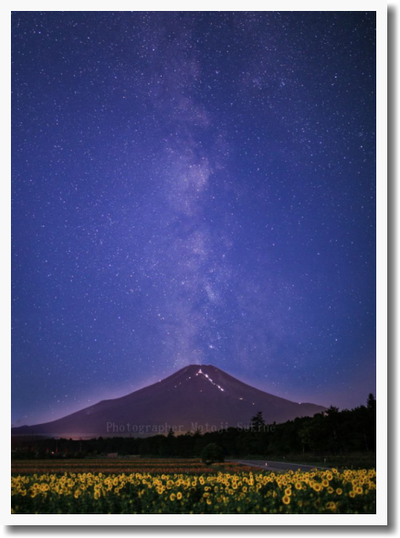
<point x="380" y="518"/>
<point x="381" y="263"/>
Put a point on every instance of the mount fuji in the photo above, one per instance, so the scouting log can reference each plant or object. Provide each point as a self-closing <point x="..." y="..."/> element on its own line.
<point x="197" y="397"/>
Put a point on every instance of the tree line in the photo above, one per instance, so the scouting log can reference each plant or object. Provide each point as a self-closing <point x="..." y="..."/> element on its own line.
<point x="331" y="432"/>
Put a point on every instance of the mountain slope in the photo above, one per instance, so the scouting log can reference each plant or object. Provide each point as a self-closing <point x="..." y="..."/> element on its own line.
<point x="196" y="397"/>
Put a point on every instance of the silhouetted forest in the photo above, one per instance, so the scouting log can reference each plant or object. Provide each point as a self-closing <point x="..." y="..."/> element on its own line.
<point x="333" y="432"/>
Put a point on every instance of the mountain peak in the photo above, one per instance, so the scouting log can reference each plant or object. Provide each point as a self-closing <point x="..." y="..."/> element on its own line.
<point x="197" y="396"/>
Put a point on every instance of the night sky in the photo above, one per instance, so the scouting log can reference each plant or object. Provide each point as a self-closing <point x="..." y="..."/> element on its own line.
<point x="192" y="187"/>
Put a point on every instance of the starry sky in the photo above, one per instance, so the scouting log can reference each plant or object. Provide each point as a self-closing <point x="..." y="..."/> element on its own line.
<point x="192" y="187"/>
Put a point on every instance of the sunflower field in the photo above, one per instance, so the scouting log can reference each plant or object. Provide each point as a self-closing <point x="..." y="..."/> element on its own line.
<point x="223" y="492"/>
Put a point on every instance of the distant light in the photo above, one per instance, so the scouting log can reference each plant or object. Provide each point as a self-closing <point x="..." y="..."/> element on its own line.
<point x="210" y="380"/>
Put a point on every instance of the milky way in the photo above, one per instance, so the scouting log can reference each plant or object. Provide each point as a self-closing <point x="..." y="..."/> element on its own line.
<point x="192" y="188"/>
